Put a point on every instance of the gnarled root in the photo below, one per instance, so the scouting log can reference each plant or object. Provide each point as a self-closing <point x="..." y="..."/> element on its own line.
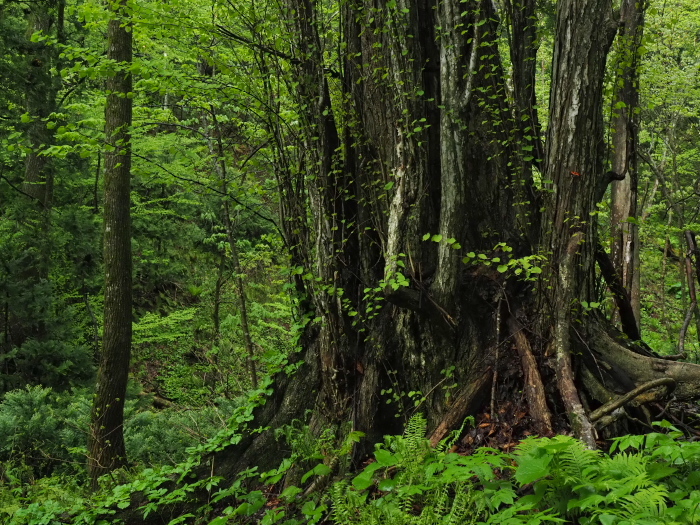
<point x="619" y="377"/>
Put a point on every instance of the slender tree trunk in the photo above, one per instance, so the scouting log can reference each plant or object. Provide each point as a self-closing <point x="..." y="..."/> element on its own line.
<point x="42" y="88"/>
<point x="216" y="315"/>
<point x="242" y="297"/>
<point x="216" y="149"/>
<point x="624" y="228"/>
<point x="42" y="85"/>
<point x="106" y="450"/>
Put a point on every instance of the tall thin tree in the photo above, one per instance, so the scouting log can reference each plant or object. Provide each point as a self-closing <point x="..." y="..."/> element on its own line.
<point x="625" y="232"/>
<point x="106" y="441"/>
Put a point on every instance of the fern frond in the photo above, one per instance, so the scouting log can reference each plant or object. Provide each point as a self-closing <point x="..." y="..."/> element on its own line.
<point x="624" y="465"/>
<point x="575" y="462"/>
<point x="462" y="512"/>
<point x="414" y="435"/>
<point x="646" y="502"/>
<point x="346" y="504"/>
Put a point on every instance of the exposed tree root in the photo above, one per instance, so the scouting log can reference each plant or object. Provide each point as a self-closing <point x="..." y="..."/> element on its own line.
<point x="621" y="401"/>
<point x="466" y="402"/>
<point x="625" y="369"/>
<point x="534" y="389"/>
<point x="581" y="426"/>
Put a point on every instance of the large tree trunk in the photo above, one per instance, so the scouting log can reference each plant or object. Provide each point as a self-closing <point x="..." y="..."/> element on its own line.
<point x="423" y="139"/>
<point x="434" y="257"/>
<point x="106" y="450"/>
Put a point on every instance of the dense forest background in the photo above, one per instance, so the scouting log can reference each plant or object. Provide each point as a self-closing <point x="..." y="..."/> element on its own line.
<point x="231" y="287"/>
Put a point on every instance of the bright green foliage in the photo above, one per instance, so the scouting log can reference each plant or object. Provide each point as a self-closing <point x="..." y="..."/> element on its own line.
<point x="43" y="433"/>
<point x="669" y="164"/>
<point x="645" y="480"/>
<point x="649" y="479"/>
<point x="421" y="485"/>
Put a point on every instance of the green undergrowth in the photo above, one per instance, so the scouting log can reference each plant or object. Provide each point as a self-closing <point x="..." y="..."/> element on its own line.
<point x="648" y="479"/>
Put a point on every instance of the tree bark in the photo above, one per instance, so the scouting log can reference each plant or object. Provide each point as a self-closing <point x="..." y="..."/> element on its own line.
<point x="414" y="214"/>
<point x="106" y="450"/>
<point x="624" y="228"/>
<point x="424" y="145"/>
<point x="574" y="164"/>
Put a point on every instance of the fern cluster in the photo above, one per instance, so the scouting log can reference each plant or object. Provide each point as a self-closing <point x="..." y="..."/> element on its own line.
<point x="413" y="484"/>
<point x="645" y="480"/>
<point x="650" y="479"/>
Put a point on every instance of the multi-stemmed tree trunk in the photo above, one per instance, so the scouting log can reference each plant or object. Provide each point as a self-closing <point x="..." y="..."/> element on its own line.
<point x="106" y="450"/>
<point x="448" y="252"/>
<point x="444" y="232"/>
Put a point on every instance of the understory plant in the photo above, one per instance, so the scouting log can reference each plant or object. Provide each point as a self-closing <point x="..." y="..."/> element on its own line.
<point x="649" y="479"/>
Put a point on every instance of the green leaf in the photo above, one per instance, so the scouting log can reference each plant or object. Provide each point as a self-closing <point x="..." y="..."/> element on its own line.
<point x="385" y="458"/>
<point x="437" y="238"/>
<point x="502" y="268"/>
<point x="607" y="519"/>
<point x="322" y="469"/>
<point x="387" y="485"/>
<point x="290" y="492"/>
<point x="389" y="185"/>
<point x="365" y="478"/>
<point x="426" y="236"/>
<point x="309" y="508"/>
<point x="533" y="466"/>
